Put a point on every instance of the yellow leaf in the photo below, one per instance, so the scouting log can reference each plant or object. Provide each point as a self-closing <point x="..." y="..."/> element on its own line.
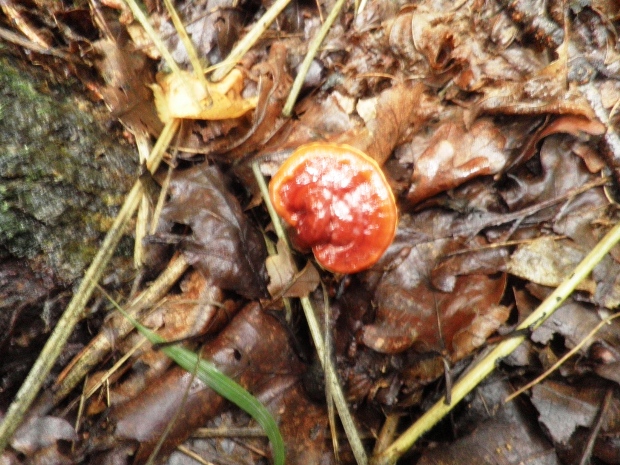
<point x="183" y="95"/>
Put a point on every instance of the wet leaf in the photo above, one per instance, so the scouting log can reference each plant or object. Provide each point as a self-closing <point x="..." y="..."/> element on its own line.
<point x="412" y="312"/>
<point x="211" y="376"/>
<point x="243" y="351"/>
<point x="223" y="244"/>
<point x="494" y="432"/>
<point x="573" y="321"/>
<point x="455" y="156"/>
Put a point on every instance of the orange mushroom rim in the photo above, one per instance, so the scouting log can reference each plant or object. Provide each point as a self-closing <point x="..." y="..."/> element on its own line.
<point x="338" y="202"/>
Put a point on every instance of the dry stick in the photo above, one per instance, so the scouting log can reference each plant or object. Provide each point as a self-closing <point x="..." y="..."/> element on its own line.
<point x="601" y="419"/>
<point x="312" y="50"/>
<point x="472" y="378"/>
<point x="101" y="345"/>
<point x="248" y="40"/>
<point x="73" y="313"/>
<point x="565" y="357"/>
<point x="159" y="44"/>
<point x="317" y="336"/>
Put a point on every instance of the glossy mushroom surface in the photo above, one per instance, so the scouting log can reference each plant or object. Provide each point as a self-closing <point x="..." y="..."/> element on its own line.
<point x="338" y="203"/>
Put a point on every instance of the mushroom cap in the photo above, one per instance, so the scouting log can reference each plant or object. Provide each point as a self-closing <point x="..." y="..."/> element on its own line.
<point x="338" y="203"/>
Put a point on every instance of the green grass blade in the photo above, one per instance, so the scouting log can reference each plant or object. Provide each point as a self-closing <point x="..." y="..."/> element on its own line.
<point x="220" y="383"/>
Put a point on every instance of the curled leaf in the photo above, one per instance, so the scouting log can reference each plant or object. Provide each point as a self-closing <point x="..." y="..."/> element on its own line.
<point x="185" y="96"/>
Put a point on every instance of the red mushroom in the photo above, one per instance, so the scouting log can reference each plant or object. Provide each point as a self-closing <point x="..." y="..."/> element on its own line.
<point x="338" y="202"/>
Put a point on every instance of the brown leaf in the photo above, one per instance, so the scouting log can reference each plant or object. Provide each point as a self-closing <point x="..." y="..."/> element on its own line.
<point x="223" y="243"/>
<point x="274" y="86"/>
<point x="126" y="74"/>
<point x="375" y="125"/>
<point x="455" y="156"/>
<point x="198" y="310"/>
<point x="540" y="97"/>
<point x="481" y="327"/>
<point x="243" y="350"/>
<point x="563" y="408"/>
<point x="284" y="281"/>
<point x="411" y="312"/>
<point x="390" y="119"/>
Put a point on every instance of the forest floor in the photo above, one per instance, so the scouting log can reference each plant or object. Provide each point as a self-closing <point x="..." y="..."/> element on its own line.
<point x="491" y="168"/>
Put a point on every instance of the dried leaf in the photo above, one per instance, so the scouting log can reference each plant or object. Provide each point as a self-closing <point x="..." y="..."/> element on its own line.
<point x="186" y="96"/>
<point x="127" y="74"/>
<point x="283" y="281"/>
<point x="548" y="261"/>
<point x="391" y="120"/>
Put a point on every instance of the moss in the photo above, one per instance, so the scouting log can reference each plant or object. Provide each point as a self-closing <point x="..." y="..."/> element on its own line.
<point x="63" y="175"/>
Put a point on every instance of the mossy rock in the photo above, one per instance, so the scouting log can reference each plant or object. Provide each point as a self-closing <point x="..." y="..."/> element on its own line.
<point x="63" y="174"/>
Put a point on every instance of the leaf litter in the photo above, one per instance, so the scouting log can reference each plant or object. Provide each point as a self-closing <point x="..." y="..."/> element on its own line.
<point x="486" y="119"/>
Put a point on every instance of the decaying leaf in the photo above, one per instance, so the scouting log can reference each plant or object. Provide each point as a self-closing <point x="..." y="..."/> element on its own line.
<point x="375" y="125"/>
<point x="223" y="244"/>
<point x="198" y="310"/>
<point x="562" y="408"/>
<point x="413" y="313"/>
<point x="284" y="281"/>
<point x="455" y="156"/>
<point x="502" y="112"/>
<point x="505" y="434"/>
<point x="243" y="350"/>
<point x="548" y="261"/>
<point x="42" y="432"/>
<point x="185" y="96"/>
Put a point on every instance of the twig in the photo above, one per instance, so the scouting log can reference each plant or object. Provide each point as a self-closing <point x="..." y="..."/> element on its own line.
<point x="313" y="48"/>
<point x="16" y="39"/>
<point x="248" y="40"/>
<point x="101" y="345"/>
<point x="600" y="420"/>
<point x="566" y="356"/>
<point x="472" y="378"/>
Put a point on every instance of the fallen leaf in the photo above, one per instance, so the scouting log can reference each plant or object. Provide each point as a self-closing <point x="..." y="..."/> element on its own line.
<point x="185" y="96"/>
<point x="455" y="156"/>
<point x="548" y="261"/>
<point x="411" y="312"/>
<point x="41" y="432"/>
<point x="562" y="408"/>
<point x="243" y="351"/>
<point x="126" y="74"/>
<point x="284" y="281"/>
<point x="223" y="243"/>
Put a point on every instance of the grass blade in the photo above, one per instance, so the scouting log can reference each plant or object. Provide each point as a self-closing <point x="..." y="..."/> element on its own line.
<point x="220" y="383"/>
